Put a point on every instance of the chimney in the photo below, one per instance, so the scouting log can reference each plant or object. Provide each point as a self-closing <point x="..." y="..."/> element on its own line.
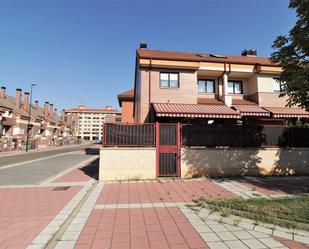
<point x="249" y="52"/>
<point x="143" y="45"/>
<point x="51" y="108"/>
<point x="18" y="98"/>
<point x="62" y="115"/>
<point x="55" y="112"/>
<point x="108" y="107"/>
<point x="26" y="102"/>
<point x="36" y="105"/>
<point x="3" y="92"/>
<point x="46" y="108"/>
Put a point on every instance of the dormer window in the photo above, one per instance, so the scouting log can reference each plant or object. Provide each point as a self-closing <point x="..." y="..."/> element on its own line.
<point x="169" y="80"/>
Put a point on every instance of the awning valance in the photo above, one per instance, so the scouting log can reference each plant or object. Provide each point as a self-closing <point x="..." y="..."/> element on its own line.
<point x="194" y="111"/>
<point x="287" y="112"/>
<point x="251" y="110"/>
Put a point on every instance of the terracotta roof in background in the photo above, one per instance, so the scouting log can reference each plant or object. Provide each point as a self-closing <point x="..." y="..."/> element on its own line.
<point x="194" y="56"/>
<point x="194" y="110"/>
<point x="127" y="95"/>
<point x="209" y="101"/>
<point x="9" y="102"/>
<point x="243" y="102"/>
<point x="287" y="112"/>
<point x="92" y="110"/>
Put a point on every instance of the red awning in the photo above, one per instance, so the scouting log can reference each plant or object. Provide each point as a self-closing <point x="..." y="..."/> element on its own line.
<point x="194" y="111"/>
<point x="251" y="110"/>
<point x="287" y="112"/>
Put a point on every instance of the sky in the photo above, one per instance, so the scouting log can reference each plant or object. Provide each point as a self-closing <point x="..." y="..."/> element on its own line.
<point x="83" y="51"/>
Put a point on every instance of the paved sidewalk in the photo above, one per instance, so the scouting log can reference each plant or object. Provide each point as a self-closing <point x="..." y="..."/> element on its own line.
<point x="24" y="212"/>
<point x="154" y="215"/>
<point x="163" y="191"/>
<point x="248" y="187"/>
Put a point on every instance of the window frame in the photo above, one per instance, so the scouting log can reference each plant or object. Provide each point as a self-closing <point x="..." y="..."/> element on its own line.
<point x="236" y="81"/>
<point x="280" y="85"/>
<point x="169" y="80"/>
<point x="205" y="81"/>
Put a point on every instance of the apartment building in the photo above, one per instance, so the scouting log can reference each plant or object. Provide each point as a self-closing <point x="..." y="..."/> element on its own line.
<point x="209" y="88"/>
<point x="87" y="123"/>
<point x="45" y="126"/>
<point x="126" y="102"/>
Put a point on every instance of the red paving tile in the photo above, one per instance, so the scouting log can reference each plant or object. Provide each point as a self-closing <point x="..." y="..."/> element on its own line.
<point x="291" y="244"/>
<point x="82" y="174"/>
<point x="139" y="228"/>
<point x="165" y="191"/>
<point x="278" y="186"/>
<point x="25" y="212"/>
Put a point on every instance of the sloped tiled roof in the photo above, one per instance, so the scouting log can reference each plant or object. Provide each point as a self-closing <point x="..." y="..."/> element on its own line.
<point x="127" y="95"/>
<point x="9" y="102"/>
<point x="202" y="57"/>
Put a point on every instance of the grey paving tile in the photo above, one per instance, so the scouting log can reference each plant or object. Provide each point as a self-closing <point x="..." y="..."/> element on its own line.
<point x="226" y="236"/>
<point x="210" y="237"/>
<point x="263" y="230"/>
<point x="203" y="228"/>
<point x="270" y="242"/>
<point x="243" y="235"/>
<point x="283" y="234"/>
<point x="236" y="244"/>
<point x="218" y="228"/>
<point x="254" y="244"/>
<point x="258" y="235"/>
<point x="217" y="245"/>
<point x="301" y="239"/>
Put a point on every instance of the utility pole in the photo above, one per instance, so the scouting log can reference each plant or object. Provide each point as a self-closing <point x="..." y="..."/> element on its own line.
<point x="28" y="125"/>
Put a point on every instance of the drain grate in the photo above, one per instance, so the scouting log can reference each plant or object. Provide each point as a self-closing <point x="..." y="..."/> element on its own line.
<point x="60" y="188"/>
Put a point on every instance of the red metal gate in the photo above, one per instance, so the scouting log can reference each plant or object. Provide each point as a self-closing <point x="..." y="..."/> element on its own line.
<point x="168" y="149"/>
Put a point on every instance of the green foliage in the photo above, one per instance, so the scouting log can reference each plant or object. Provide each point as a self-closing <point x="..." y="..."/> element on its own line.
<point x="293" y="209"/>
<point x="292" y="53"/>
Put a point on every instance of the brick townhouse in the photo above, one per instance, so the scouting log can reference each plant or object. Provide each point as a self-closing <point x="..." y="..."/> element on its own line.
<point x="209" y="88"/>
<point x="45" y="126"/>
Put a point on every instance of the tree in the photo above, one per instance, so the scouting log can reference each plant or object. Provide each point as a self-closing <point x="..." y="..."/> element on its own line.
<point x="292" y="53"/>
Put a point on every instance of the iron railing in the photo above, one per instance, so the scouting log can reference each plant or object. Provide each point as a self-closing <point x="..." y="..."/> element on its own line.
<point x="244" y="136"/>
<point x="130" y="135"/>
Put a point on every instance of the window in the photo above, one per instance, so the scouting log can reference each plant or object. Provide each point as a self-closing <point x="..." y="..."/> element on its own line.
<point x="234" y="87"/>
<point x="277" y="85"/>
<point x="206" y="86"/>
<point x="170" y="80"/>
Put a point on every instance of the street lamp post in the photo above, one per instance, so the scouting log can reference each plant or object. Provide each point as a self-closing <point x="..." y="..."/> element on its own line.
<point x="28" y="125"/>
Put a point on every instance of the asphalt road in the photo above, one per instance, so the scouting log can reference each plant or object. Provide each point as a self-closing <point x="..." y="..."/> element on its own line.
<point x="39" y="170"/>
<point x="32" y="155"/>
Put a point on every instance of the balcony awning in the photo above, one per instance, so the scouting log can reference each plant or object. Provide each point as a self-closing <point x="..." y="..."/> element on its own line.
<point x="251" y="110"/>
<point x="287" y="112"/>
<point x="194" y="111"/>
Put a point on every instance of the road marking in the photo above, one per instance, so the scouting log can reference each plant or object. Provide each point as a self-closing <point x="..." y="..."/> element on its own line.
<point x="31" y="161"/>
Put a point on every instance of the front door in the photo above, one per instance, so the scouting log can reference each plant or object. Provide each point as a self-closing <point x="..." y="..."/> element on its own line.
<point x="167" y="142"/>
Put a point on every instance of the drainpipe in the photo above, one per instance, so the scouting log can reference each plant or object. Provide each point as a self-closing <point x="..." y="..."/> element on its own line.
<point x="226" y="97"/>
<point x="149" y="91"/>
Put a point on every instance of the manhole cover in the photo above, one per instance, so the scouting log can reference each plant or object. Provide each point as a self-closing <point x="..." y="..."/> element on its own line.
<point x="61" y="188"/>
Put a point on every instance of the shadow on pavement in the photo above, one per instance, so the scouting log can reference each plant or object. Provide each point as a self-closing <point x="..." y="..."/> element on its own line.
<point x="92" y="151"/>
<point x="92" y="169"/>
